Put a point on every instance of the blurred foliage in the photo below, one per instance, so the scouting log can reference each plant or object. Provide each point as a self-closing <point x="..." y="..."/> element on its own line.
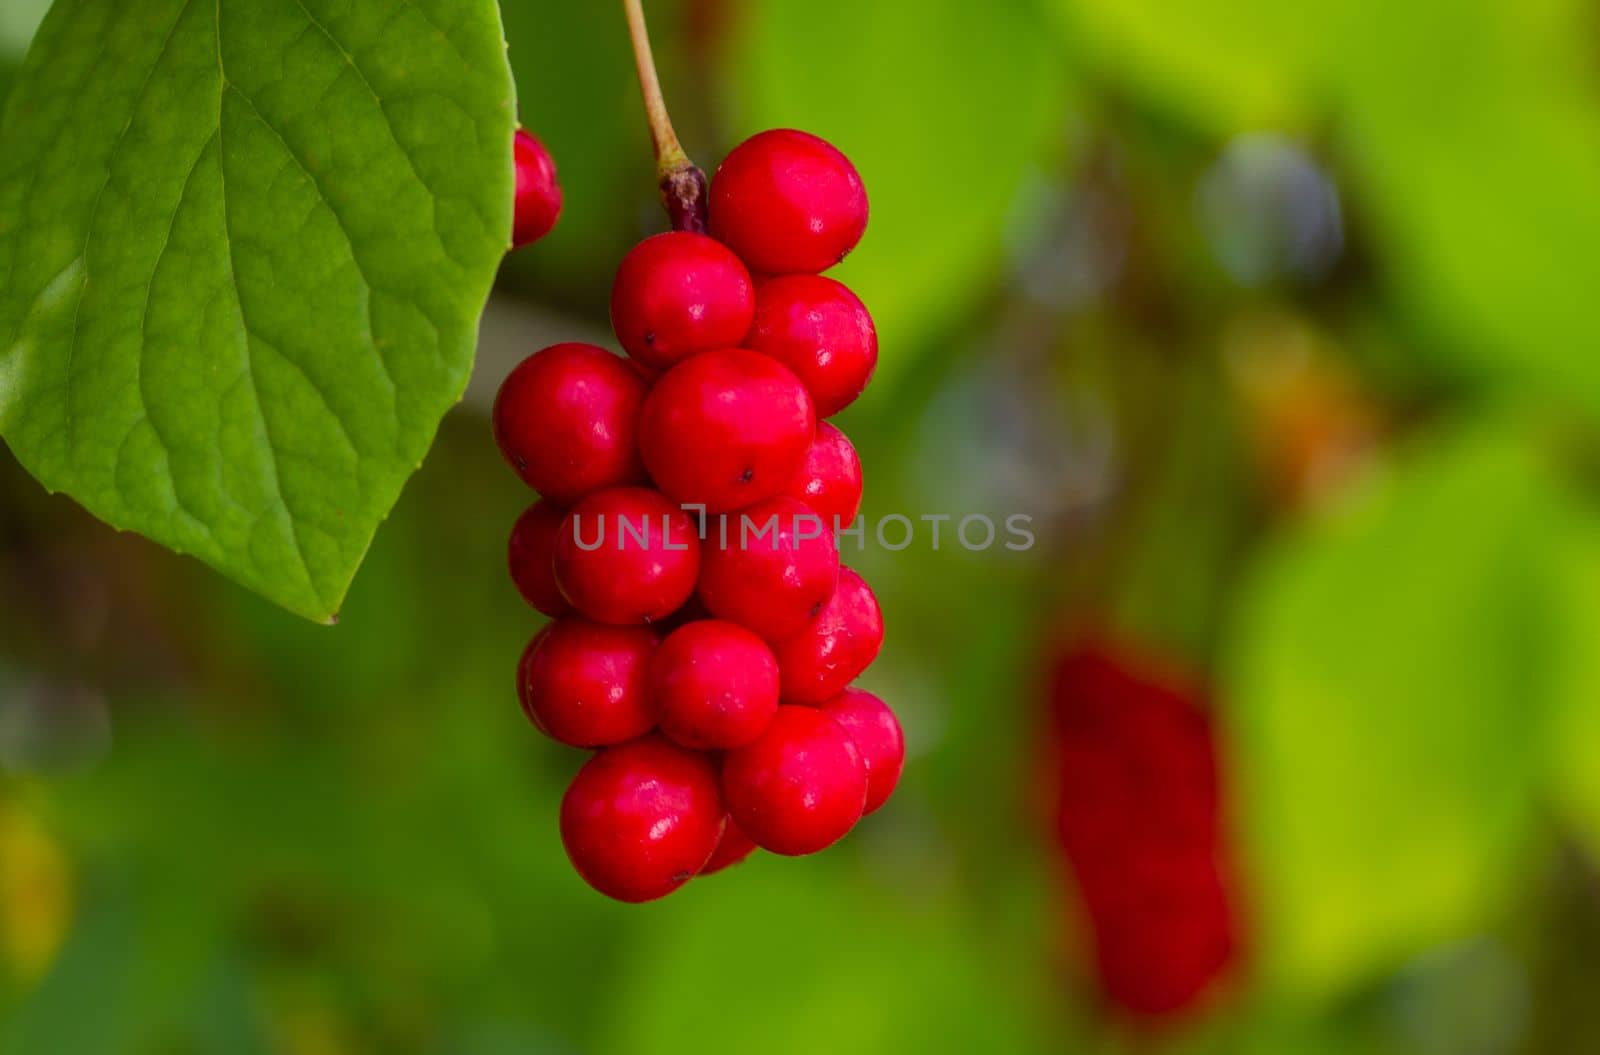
<point x="1274" y="318"/>
<point x="1406" y="635"/>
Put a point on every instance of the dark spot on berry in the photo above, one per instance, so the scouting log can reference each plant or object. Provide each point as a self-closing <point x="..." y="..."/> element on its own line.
<point x="746" y="476"/>
<point x="650" y="338"/>
<point x="521" y="463"/>
<point x="816" y="609"/>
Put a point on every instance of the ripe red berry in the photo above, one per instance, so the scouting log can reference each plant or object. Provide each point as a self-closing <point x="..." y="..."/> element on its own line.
<point x="829" y="480"/>
<point x="876" y="731"/>
<point x="733" y="849"/>
<point x="586" y="684"/>
<point x="538" y="200"/>
<point x="788" y="203"/>
<point x="627" y="555"/>
<point x="798" y="789"/>
<point x="677" y="294"/>
<point x="833" y="649"/>
<point x="820" y="330"/>
<point x="642" y="818"/>
<point x="725" y="429"/>
<point x="566" y="419"/>
<point x="714" y="685"/>
<point x="769" y="568"/>
<point x="530" y="555"/>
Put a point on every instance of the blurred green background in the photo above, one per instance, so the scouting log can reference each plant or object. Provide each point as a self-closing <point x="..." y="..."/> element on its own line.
<point x="1278" y="319"/>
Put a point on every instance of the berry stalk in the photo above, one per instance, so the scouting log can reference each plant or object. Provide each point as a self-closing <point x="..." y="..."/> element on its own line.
<point x="683" y="184"/>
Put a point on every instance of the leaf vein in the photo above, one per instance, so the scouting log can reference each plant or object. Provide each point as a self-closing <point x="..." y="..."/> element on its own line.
<point x="244" y="323"/>
<point x="94" y="210"/>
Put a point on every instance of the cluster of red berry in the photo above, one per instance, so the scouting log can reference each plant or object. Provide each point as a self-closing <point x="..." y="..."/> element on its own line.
<point x="708" y="658"/>
<point x="1138" y="818"/>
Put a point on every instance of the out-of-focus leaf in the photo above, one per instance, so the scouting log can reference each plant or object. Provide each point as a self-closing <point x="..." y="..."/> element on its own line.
<point x="1575" y="729"/>
<point x="1474" y="132"/>
<point x="1225" y="65"/>
<point x="1386" y="702"/>
<point x="944" y="107"/>
<point x="245" y="248"/>
<point x="777" y="957"/>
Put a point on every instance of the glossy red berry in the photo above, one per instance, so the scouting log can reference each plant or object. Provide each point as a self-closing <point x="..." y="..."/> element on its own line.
<point x="820" y="330"/>
<point x="876" y="731"/>
<point x="798" y="789"/>
<point x="725" y="429"/>
<point x="733" y="849"/>
<point x="627" y="555"/>
<point x="714" y="685"/>
<point x="829" y="480"/>
<point x="586" y="684"/>
<point x="788" y="203"/>
<point x="833" y="649"/>
<point x="642" y="818"/>
<point x="530" y="555"/>
<point x="677" y="294"/>
<point x="566" y="419"/>
<point x="770" y="567"/>
<point x="538" y="200"/>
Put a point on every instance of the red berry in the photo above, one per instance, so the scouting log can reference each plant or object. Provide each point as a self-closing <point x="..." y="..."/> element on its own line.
<point x="677" y="294"/>
<point x="538" y="201"/>
<point x="798" y="789"/>
<point x="788" y="203"/>
<point x="770" y="568"/>
<point x="627" y="555"/>
<point x="833" y="649"/>
<point x="643" y="818"/>
<point x="714" y="684"/>
<point x="531" y="557"/>
<point x="820" y="330"/>
<point x="733" y="849"/>
<point x="1138" y="815"/>
<point x="725" y="429"/>
<point x="829" y="480"/>
<point x="876" y="731"/>
<point x="567" y="420"/>
<point x="586" y="684"/>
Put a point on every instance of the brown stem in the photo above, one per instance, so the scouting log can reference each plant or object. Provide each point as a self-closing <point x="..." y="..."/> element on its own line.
<point x="683" y="186"/>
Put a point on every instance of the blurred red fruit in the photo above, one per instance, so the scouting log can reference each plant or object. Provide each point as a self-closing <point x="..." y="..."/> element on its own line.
<point x="1137" y="816"/>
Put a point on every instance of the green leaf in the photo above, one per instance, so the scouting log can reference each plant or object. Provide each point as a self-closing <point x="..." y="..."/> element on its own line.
<point x="1473" y="137"/>
<point x="245" y="246"/>
<point x="1226" y="65"/>
<point x="18" y="20"/>
<point x="883" y="975"/>
<point x="946" y="108"/>
<point x="1575" y="730"/>
<point x="1387" y="698"/>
